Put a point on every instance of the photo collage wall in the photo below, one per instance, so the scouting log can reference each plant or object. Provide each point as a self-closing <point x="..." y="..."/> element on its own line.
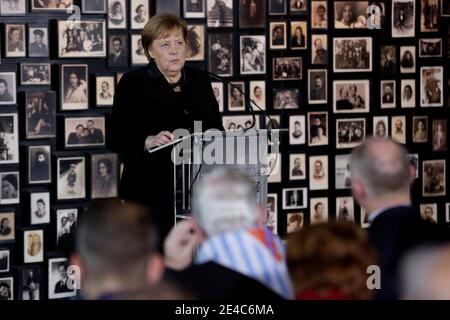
<point x="332" y="72"/>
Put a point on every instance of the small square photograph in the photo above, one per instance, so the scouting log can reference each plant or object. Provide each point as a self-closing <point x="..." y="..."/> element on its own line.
<point x="39" y="164"/>
<point x="272" y="212"/>
<point x="299" y="34"/>
<point x="252" y="13"/>
<point x="343" y="178"/>
<point x="74" y="87"/>
<point x="431" y="86"/>
<point x="40" y="207"/>
<point x="428" y="212"/>
<point x="278" y="35"/>
<point x="430" y="48"/>
<point x="350" y="133"/>
<point x="258" y="94"/>
<point x="287" y="68"/>
<point x="285" y="98"/>
<point x="195" y="49"/>
<point x="381" y="127"/>
<point x="388" y="60"/>
<point x="297" y="130"/>
<point x="317" y="86"/>
<point x="38" y="42"/>
<point x="387" y="91"/>
<point x="318" y="210"/>
<point x="352" y="54"/>
<point x="118" y="50"/>
<point x="41" y="114"/>
<point x="319" y="49"/>
<point x="51" y="5"/>
<point x="15" y="46"/>
<point x="66" y="224"/>
<point x="194" y="9"/>
<point x="318" y="128"/>
<point x="117" y="14"/>
<point x="104" y="177"/>
<point x="350" y="14"/>
<point x="105" y="91"/>
<point x="398" y="129"/>
<point x="429" y="15"/>
<point x="7" y="288"/>
<point x="71" y="178"/>
<point x="236" y="99"/>
<point x="408" y="59"/>
<point x="408" y="87"/>
<point x="297" y="166"/>
<point x="345" y="209"/>
<point x="295" y="222"/>
<point x="12" y="7"/>
<point x="273" y="123"/>
<point x="277" y="7"/>
<point x="9" y="138"/>
<point x="59" y="283"/>
<point x="4" y="261"/>
<point x="7" y="226"/>
<point x="318" y="173"/>
<point x="10" y="187"/>
<point x="319" y="15"/>
<point x="274" y="167"/>
<point x="139" y="14"/>
<point x="85" y="132"/>
<point x="35" y="74"/>
<point x="351" y="96"/>
<point x="420" y="129"/>
<point x="86" y="39"/>
<point x="403" y="18"/>
<point x="298" y="6"/>
<point x="218" y="93"/>
<point x="138" y="57"/>
<point x="239" y="123"/>
<point x="295" y="198"/>
<point x="30" y="283"/>
<point x="219" y="13"/>
<point x="439" y="135"/>
<point x="253" y="54"/>
<point x="414" y="161"/>
<point x="8" y="94"/>
<point x="220" y="52"/>
<point x="33" y="246"/>
<point x="94" y="6"/>
<point x="433" y="175"/>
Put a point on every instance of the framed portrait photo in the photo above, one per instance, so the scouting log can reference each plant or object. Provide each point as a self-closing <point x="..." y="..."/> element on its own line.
<point x="30" y="283"/>
<point x="7" y="288"/>
<point x="194" y="9"/>
<point x="81" y="39"/>
<point x="345" y="209"/>
<point x="350" y="14"/>
<point x="429" y="212"/>
<point x="318" y="210"/>
<point x="33" y="241"/>
<point x="318" y="128"/>
<point x="278" y="35"/>
<point x="71" y="182"/>
<point x="252" y="14"/>
<point x="388" y="59"/>
<point x="294" y="222"/>
<point x="253" y="54"/>
<point x="319" y="15"/>
<point x="118" y="50"/>
<point x="35" y="74"/>
<point x="403" y="18"/>
<point x="431" y="87"/>
<point x="4" y="260"/>
<point x="274" y="167"/>
<point x="220" y="53"/>
<point x="8" y="91"/>
<point x="439" y="130"/>
<point x="59" y="283"/>
<point x="429" y="21"/>
<point x="13" y="8"/>
<point x="429" y="48"/>
<point x="295" y="198"/>
<point x="66" y="223"/>
<point x="272" y="212"/>
<point x="74" y="87"/>
<point x="38" y="42"/>
<point x="139" y="14"/>
<point x="408" y="93"/>
<point x="317" y="86"/>
<point x="258" y="95"/>
<point x="104" y="175"/>
<point x="195" y="43"/>
<point x="15" y="44"/>
<point x="117" y="14"/>
<point x="41" y="114"/>
<point x="84" y="132"/>
<point x="39" y="164"/>
<point x="10" y="187"/>
<point x="350" y="133"/>
<point x="285" y="98"/>
<point x="351" y="96"/>
<point x="345" y="58"/>
<point x="236" y="99"/>
<point x="318" y="173"/>
<point x="381" y="127"/>
<point x="287" y="68"/>
<point x="398" y="129"/>
<point x="420" y="129"/>
<point x="54" y="5"/>
<point x="297" y="166"/>
<point x="387" y="94"/>
<point x="433" y="178"/>
<point x="408" y="59"/>
<point x="342" y="172"/>
<point x="105" y="89"/>
<point x="319" y="49"/>
<point x="219" y="13"/>
<point x="40" y="207"/>
<point x="93" y="6"/>
<point x="9" y="138"/>
<point x="7" y="227"/>
<point x="297" y="129"/>
<point x="299" y="35"/>
<point x="138" y="57"/>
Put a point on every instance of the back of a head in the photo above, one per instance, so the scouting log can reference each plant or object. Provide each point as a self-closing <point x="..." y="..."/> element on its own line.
<point x="330" y="256"/>
<point x="225" y="200"/>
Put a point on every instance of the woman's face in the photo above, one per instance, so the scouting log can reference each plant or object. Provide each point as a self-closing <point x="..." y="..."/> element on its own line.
<point x="2" y="88"/>
<point x="420" y="125"/>
<point x="380" y="129"/>
<point x="117" y="8"/>
<point x="169" y="53"/>
<point x="102" y="170"/>
<point x="347" y="14"/>
<point x="7" y="187"/>
<point x="142" y="11"/>
<point x="319" y="131"/>
<point x="298" y="32"/>
<point x="236" y="93"/>
<point x="258" y="92"/>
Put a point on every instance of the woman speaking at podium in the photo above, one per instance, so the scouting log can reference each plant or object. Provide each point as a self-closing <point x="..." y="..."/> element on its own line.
<point x="149" y="104"/>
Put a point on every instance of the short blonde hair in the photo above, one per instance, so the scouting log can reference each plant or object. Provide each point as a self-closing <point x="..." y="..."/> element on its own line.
<point x="160" y="26"/>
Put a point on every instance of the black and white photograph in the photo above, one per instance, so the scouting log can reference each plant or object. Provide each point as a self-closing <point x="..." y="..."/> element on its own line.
<point x="253" y="54"/>
<point x="252" y="13"/>
<point x="350" y="133"/>
<point x="429" y="15"/>
<point x="94" y="6"/>
<point x="71" y="182"/>
<point x="7" y="288"/>
<point x="104" y="175"/>
<point x="118" y="50"/>
<point x="84" y="132"/>
<point x="318" y="209"/>
<point x="272" y="212"/>
<point x="52" y="5"/>
<point x="10" y="187"/>
<point x="274" y="167"/>
<point x="414" y="161"/>
<point x="388" y="60"/>
<point x="40" y="114"/>
<point x="39" y="164"/>
<point x="387" y="94"/>
<point x="420" y="129"/>
<point x="9" y="138"/>
<point x="429" y="48"/>
<point x="117" y="14"/>
<point x="408" y="59"/>
<point x="318" y="173"/>
<point x="236" y="99"/>
<point x="7" y="226"/>
<point x="139" y="14"/>
<point x="74" y="87"/>
<point x="297" y="129"/>
<point x="299" y="35"/>
<point x="345" y="209"/>
<point x="295" y="198"/>
<point x="403" y="18"/>
<point x="81" y="39"/>
<point x="40" y="207"/>
<point x="298" y="6"/>
<point x="285" y="98"/>
<point x="15" y="44"/>
<point x="273" y="123"/>
<point x="317" y="86"/>
<point x="220" y="53"/>
<point x="398" y="129"/>
<point x="287" y="68"/>
<point x="30" y="283"/>
<point x="194" y="9"/>
<point x="350" y="14"/>
<point x="33" y="249"/>
<point x="38" y="42"/>
<point x="195" y="44"/>
<point x="13" y="7"/>
<point x="319" y="15"/>
<point x="4" y="260"/>
<point x="433" y="175"/>
<point x="429" y="212"/>
<point x="439" y="128"/>
<point x="66" y="223"/>
<point x="294" y="221"/>
<point x="105" y="91"/>
<point x="352" y="54"/>
<point x="342" y="172"/>
<point x="278" y="35"/>
<point x="258" y="94"/>
<point x="219" y="13"/>
<point x="319" y="49"/>
<point x="277" y="7"/>
<point x="381" y="127"/>
<point x="239" y="123"/>
<point x="431" y="86"/>
<point x="318" y="128"/>
<point x="59" y="283"/>
<point x="351" y="96"/>
<point x="35" y="74"/>
<point x="297" y="166"/>
<point x="218" y="94"/>
<point x="408" y="92"/>
<point x="8" y="93"/>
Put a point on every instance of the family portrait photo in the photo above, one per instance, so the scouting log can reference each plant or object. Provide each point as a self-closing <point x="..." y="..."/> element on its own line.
<point x="85" y="132"/>
<point x="78" y="39"/>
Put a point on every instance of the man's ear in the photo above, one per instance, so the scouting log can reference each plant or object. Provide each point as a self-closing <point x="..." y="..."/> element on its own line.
<point x="155" y="269"/>
<point x="412" y="174"/>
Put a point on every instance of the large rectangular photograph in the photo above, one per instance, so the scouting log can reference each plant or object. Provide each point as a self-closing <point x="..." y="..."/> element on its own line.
<point x="350" y="14"/>
<point x="85" y="132"/>
<point x="220" y="53"/>
<point x="104" y="175"/>
<point x="35" y="74"/>
<point x="81" y="39"/>
<point x="352" y="54"/>
<point x="351" y="96"/>
<point x="59" y="284"/>
<point x="253" y="54"/>
<point x="350" y="133"/>
<point x="51" y="5"/>
<point x="40" y="114"/>
<point x="403" y="18"/>
<point x="74" y="87"/>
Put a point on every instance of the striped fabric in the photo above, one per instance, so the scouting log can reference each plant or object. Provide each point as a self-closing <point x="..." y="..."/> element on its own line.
<point x="256" y="253"/>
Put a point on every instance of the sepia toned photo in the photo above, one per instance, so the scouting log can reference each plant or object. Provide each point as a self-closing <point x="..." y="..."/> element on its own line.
<point x="138" y="57"/>
<point x="318" y="210"/>
<point x="297" y="129"/>
<point x="15" y="44"/>
<point x="258" y="95"/>
<point x="387" y="92"/>
<point x="278" y="35"/>
<point x="298" y="6"/>
<point x="252" y="13"/>
<point x="319" y="15"/>
<point x="429" y="15"/>
<point x="352" y="54"/>
<point x="8" y="93"/>
<point x="78" y="39"/>
<point x="351" y="96"/>
<point x="194" y="9"/>
<point x="85" y="132"/>
<point x="408" y="59"/>
<point x="9" y="138"/>
<point x="139" y="13"/>
<point x="236" y="96"/>
<point x="431" y="86"/>
<point x="345" y="209"/>
<point x="94" y="6"/>
<point x="287" y="68"/>
<point x="66" y="224"/>
<point x="7" y="226"/>
<point x="195" y="49"/>
<point x="38" y="42"/>
<point x="342" y="172"/>
<point x="104" y="178"/>
<point x="239" y="123"/>
<point x="430" y="48"/>
<point x="295" y="198"/>
<point x="59" y="283"/>
<point x="403" y="18"/>
<point x="219" y="13"/>
<point x="350" y="133"/>
<point x="420" y="129"/>
<point x="39" y="164"/>
<point x="35" y="74"/>
<point x="428" y="212"/>
<point x="318" y="173"/>
<point x="318" y="128"/>
<point x="220" y="53"/>
<point x="218" y="94"/>
<point x="277" y="7"/>
<point x="388" y="60"/>
<point x="105" y="90"/>
<point x="398" y="129"/>
<point x="51" y="5"/>
<point x="13" y="7"/>
<point x="299" y="35"/>
<point x="272" y="212"/>
<point x="317" y="86"/>
<point x="319" y="49"/>
<point x="40" y="207"/>
<point x="380" y="127"/>
<point x="74" y="87"/>
<point x="33" y="246"/>
<point x="253" y="54"/>
<point x="297" y="166"/>
<point x="295" y="222"/>
<point x="274" y="167"/>
<point x="117" y="14"/>
<point x="40" y="114"/>
<point x="285" y="98"/>
<point x="433" y="175"/>
<point x="350" y="14"/>
<point x="118" y="50"/>
<point x="439" y="135"/>
<point x="30" y="283"/>
<point x="71" y="182"/>
<point x="408" y="87"/>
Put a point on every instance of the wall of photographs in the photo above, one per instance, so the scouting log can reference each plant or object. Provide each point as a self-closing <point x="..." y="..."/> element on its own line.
<point x="333" y="72"/>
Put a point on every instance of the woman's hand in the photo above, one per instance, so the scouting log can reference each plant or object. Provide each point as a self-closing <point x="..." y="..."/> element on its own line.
<point x="160" y="139"/>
